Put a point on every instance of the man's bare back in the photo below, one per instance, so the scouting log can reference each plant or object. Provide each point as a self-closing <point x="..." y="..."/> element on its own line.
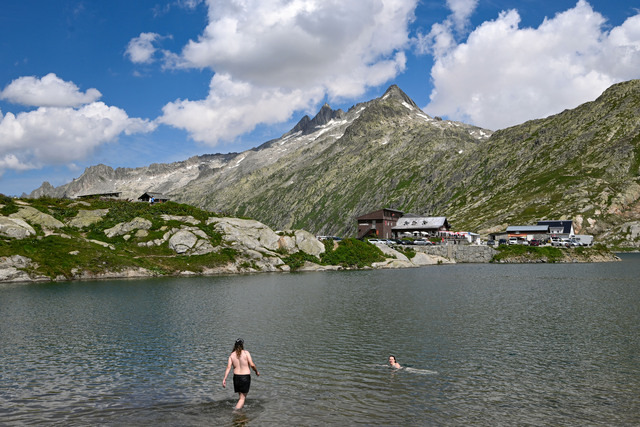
<point x="241" y="365"/>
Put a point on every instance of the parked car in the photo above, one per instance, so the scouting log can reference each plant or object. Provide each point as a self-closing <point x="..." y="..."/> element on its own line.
<point x="406" y="242"/>
<point x="556" y="241"/>
<point x="534" y="242"/>
<point x="513" y="241"/>
<point x="502" y="242"/>
<point x="375" y="241"/>
<point x="422" y="242"/>
<point x="491" y="242"/>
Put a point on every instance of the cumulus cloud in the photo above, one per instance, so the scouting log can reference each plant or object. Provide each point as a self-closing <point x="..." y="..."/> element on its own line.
<point x="59" y="135"/>
<point x="504" y="75"/>
<point x="49" y="91"/>
<point x="141" y="50"/>
<point x="272" y="57"/>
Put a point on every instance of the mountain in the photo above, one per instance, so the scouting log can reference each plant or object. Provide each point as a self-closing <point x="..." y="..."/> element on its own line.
<point x="581" y="164"/>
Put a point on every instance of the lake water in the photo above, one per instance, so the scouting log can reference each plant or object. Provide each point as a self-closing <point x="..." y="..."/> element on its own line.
<point x="482" y="345"/>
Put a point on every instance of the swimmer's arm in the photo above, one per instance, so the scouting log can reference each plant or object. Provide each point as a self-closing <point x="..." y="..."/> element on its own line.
<point x="226" y="373"/>
<point x="251" y="364"/>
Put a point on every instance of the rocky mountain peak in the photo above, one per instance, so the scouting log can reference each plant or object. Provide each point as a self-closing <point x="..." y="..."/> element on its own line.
<point x="394" y="92"/>
<point x="324" y="116"/>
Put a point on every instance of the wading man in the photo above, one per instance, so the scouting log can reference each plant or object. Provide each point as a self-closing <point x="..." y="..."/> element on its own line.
<point x="241" y="361"/>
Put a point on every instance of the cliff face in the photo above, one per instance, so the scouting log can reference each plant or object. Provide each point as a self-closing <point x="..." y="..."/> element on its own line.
<point x="581" y="164"/>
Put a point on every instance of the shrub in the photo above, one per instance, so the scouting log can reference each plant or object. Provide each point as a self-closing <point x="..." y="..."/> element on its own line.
<point x="352" y="253"/>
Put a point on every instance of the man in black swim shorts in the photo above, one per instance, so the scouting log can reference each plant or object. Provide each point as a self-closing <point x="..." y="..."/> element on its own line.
<point x="241" y="383"/>
<point x="241" y="361"/>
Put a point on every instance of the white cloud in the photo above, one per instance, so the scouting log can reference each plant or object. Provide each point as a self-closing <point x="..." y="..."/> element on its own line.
<point x="50" y="91"/>
<point x="294" y="51"/>
<point x="232" y="108"/>
<point x="461" y="11"/>
<point x="504" y="75"/>
<point x="140" y="50"/>
<point x="58" y="135"/>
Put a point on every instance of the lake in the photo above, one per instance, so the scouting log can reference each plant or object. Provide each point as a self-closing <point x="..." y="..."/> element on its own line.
<point x="480" y="344"/>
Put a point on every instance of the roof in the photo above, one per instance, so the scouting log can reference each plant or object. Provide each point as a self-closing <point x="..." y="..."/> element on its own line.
<point x="379" y="214"/>
<point x="417" y="223"/>
<point x="155" y="195"/>
<point x="566" y="225"/>
<point x="528" y="228"/>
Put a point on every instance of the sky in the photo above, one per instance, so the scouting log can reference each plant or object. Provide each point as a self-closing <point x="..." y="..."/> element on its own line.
<point x="130" y="83"/>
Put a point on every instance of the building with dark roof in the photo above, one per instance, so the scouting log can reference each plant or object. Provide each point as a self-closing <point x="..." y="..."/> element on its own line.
<point x="378" y="223"/>
<point x="559" y="228"/>
<point x="153" y="197"/>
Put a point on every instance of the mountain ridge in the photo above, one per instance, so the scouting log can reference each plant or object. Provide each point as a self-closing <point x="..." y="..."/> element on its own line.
<point x="580" y="164"/>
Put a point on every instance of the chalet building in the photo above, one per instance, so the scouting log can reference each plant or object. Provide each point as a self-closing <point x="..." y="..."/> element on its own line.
<point x="378" y="224"/>
<point x="528" y="232"/>
<point x="112" y="195"/>
<point x="415" y="225"/>
<point x="155" y="197"/>
<point x="559" y="228"/>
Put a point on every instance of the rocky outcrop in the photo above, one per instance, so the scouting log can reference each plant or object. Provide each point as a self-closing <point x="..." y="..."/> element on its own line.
<point x="13" y="269"/>
<point x="126" y="227"/>
<point x="85" y="218"/>
<point x="15" y="228"/>
<point x="33" y="215"/>
<point x="247" y="233"/>
<point x="190" y="242"/>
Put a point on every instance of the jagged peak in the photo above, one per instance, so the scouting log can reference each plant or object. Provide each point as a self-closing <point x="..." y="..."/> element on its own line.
<point x="324" y="116"/>
<point x="394" y="92"/>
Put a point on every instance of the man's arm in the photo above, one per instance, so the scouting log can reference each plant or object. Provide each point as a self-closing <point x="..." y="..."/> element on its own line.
<point x="251" y="364"/>
<point x="226" y="373"/>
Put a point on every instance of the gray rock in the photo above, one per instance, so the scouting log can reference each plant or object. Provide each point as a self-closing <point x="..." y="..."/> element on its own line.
<point x="248" y="233"/>
<point x="188" y="219"/>
<point x="11" y="269"/>
<point x="15" y="228"/>
<point x="288" y="244"/>
<point x="33" y="215"/>
<point x="308" y="243"/>
<point x="103" y="244"/>
<point x="87" y="217"/>
<point x="182" y="241"/>
<point x="125" y="227"/>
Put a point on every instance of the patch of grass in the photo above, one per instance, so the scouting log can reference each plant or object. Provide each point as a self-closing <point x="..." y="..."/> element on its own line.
<point x="548" y="253"/>
<point x="353" y="253"/>
<point x="297" y="260"/>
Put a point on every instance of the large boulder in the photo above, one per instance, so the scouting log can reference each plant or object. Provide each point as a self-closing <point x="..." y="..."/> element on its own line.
<point x="34" y="216"/>
<point x="125" y="227"/>
<point x="288" y="244"/>
<point x="245" y="232"/>
<point x="422" y="258"/>
<point x="182" y="241"/>
<point x="85" y="217"/>
<point x="190" y="242"/>
<point x="15" y="228"/>
<point x="308" y="243"/>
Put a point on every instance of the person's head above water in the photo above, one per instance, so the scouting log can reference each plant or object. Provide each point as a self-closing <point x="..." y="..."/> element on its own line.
<point x="238" y="346"/>
<point x="393" y="362"/>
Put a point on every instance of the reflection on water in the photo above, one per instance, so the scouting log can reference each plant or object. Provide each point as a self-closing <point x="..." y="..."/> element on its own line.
<point x="479" y="344"/>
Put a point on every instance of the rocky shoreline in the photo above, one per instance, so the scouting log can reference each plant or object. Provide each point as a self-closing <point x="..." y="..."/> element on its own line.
<point x="61" y="240"/>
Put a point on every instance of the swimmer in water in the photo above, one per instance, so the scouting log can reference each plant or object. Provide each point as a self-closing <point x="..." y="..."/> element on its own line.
<point x="393" y="363"/>
<point x="242" y="364"/>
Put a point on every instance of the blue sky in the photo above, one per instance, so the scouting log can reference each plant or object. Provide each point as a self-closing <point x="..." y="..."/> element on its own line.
<point x="130" y="83"/>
